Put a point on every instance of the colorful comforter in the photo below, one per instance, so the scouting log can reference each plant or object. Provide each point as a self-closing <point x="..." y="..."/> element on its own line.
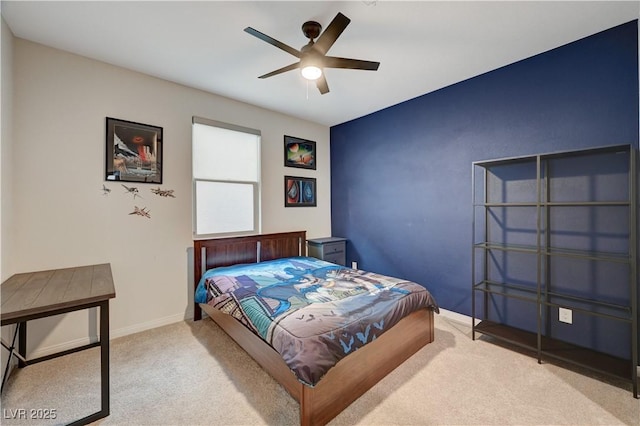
<point x="312" y="312"/>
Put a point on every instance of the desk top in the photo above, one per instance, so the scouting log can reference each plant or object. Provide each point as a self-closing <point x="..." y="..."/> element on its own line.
<point x="36" y="294"/>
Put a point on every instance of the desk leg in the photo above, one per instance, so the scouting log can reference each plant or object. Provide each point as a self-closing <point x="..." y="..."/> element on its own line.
<point x="22" y="344"/>
<point x="11" y="349"/>
<point x="104" y="357"/>
<point x="104" y="369"/>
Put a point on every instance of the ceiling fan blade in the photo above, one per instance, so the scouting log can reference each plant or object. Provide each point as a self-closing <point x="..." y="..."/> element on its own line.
<point x="273" y="41"/>
<point x="331" y="33"/>
<point x="321" y="84"/>
<point x="355" y="64"/>
<point x="281" y="70"/>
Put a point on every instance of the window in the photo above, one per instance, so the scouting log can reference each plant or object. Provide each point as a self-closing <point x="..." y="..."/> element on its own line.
<point x="226" y="178"/>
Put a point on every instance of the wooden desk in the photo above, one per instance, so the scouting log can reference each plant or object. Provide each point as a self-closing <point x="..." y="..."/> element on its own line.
<point x="41" y="294"/>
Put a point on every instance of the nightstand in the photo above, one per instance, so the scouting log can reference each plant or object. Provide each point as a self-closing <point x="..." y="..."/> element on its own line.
<point x="331" y="249"/>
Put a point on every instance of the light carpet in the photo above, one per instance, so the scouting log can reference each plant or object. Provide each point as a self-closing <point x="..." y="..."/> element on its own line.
<point x="192" y="373"/>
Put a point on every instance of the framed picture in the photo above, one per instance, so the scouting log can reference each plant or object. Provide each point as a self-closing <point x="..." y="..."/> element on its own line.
<point x="299" y="153"/>
<point x="134" y="152"/>
<point x="299" y="191"/>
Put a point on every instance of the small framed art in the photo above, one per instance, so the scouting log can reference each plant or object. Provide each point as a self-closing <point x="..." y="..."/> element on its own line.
<point x="299" y="191"/>
<point x="299" y="153"/>
<point x="133" y="152"/>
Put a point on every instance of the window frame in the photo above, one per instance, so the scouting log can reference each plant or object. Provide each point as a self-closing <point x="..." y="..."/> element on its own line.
<point x="257" y="186"/>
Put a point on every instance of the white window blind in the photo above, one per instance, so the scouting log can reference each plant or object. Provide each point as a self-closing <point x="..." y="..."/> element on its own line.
<point x="226" y="176"/>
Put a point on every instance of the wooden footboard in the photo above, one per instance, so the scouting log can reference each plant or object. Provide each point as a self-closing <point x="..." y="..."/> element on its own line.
<point x="349" y="378"/>
<point x="361" y="370"/>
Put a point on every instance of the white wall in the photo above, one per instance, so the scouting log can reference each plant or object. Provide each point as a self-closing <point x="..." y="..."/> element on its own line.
<point x="61" y="217"/>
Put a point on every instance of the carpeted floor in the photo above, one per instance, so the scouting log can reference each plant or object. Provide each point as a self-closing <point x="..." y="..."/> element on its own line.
<point x="193" y="374"/>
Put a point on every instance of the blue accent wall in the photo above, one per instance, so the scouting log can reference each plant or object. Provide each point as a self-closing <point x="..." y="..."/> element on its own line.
<point x="401" y="177"/>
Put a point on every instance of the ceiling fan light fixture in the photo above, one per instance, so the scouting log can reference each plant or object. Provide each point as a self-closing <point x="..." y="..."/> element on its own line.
<point x="311" y="72"/>
<point x="313" y="55"/>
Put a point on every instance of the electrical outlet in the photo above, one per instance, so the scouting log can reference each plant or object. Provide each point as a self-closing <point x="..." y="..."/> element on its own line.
<point x="565" y="315"/>
<point x="354" y="265"/>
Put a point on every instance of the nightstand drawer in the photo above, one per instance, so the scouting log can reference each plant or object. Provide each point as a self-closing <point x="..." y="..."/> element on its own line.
<point x="334" y="248"/>
<point x="337" y="258"/>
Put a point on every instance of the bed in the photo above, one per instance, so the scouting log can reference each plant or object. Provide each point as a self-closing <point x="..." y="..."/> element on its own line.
<point x="322" y="392"/>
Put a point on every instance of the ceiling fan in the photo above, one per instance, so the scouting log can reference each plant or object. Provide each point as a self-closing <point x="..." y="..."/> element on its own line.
<point x="313" y="56"/>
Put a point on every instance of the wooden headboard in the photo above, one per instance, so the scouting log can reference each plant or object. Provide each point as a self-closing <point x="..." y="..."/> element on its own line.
<point x="219" y="252"/>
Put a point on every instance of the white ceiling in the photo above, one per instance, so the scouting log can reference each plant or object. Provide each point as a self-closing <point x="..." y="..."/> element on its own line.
<point x="421" y="46"/>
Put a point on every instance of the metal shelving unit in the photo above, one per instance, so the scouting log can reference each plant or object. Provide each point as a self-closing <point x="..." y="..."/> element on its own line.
<point x="539" y="290"/>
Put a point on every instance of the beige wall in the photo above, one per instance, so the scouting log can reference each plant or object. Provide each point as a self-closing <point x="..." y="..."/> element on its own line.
<point x="6" y="91"/>
<point x="61" y="217"/>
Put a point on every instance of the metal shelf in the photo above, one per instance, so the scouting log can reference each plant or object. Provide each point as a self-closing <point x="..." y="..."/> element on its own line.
<point x="586" y="300"/>
<point x="486" y="286"/>
<point x="542" y="170"/>
<point x="557" y="349"/>
<point x="503" y="289"/>
<point x="515" y="204"/>
<point x="552" y="155"/>
<point x="603" y="203"/>
<point x="599" y="203"/>
<point x="522" y="248"/>
<point x="555" y="251"/>
<point x="587" y="255"/>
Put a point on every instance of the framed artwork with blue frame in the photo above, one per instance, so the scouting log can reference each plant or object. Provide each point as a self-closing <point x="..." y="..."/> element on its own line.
<point x="299" y="191"/>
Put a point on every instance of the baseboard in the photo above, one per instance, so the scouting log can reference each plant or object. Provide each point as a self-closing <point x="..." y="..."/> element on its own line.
<point x="60" y="347"/>
<point x="455" y="316"/>
<point x="113" y="334"/>
<point x="137" y="328"/>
